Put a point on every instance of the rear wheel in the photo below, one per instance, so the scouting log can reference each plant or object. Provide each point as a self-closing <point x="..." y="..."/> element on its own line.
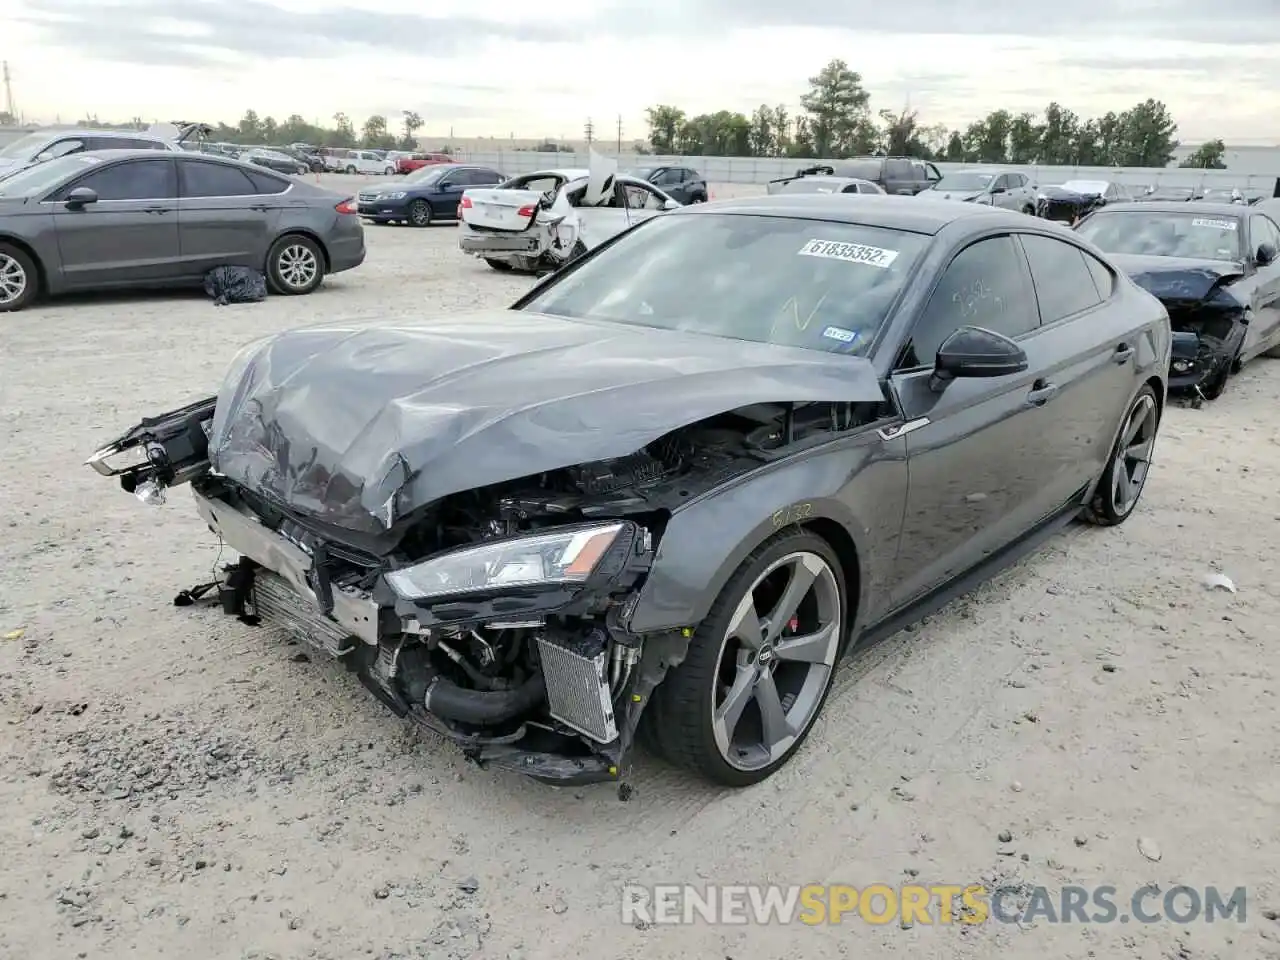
<point x="1125" y="475"/>
<point x="389" y="171"/>
<point x="19" y="281"/>
<point x="759" y="667"/>
<point x="698" y="198"/>
<point x="420" y="213"/>
<point x="295" y="265"/>
<point x="351" y="169"/>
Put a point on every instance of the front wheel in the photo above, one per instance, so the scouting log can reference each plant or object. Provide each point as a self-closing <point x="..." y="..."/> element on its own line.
<point x="1029" y="210"/>
<point x="420" y="213"/>
<point x="759" y="667"/>
<point x="351" y="169"/>
<point x="19" y="281"/>
<point x="1125" y="475"/>
<point x="295" y="265"/>
<point x="699" y="198"/>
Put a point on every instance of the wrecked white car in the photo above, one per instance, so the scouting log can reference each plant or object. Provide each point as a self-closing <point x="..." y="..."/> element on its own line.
<point x="541" y="220"/>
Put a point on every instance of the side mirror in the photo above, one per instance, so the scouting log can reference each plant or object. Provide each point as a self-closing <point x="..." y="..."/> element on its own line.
<point x="1265" y="256"/>
<point x="43" y="156"/>
<point x="80" y="197"/>
<point x="999" y="189"/>
<point x="976" y="352"/>
<point x="670" y="204"/>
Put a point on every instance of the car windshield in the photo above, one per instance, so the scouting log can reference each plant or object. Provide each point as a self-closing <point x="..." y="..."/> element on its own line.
<point x="813" y="185"/>
<point x="1086" y="187"/>
<point x="792" y="282"/>
<point x="1191" y="235"/>
<point x="427" y="174"/>
<point x="24" y="148"/>
<point x="44" y="176"/>
<point x="965" y="181"/>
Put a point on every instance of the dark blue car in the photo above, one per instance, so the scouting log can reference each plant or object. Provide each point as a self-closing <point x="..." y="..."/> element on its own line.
<point x="431" y="193"/>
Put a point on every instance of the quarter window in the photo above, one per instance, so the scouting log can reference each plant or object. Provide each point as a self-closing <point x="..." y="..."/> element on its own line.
<point x="214" y="180"/>
<point x="130" y="180"/>
<point x="1064" y="284"/>
<point x="984" y="286"/>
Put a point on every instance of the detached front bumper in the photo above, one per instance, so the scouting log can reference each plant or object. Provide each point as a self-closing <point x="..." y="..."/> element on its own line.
<point x="1195" y="361"/>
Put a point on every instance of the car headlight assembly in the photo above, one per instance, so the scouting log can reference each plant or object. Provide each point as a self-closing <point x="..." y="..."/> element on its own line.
<point x="396" y="195"/>
<point x="562" y="557"/>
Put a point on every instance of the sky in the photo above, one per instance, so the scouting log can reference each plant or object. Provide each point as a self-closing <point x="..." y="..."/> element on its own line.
<point x="524" y="69"/>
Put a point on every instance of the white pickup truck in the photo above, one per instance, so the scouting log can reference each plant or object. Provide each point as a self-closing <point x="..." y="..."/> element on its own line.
<point x="355" y="161"/>
<point x="540" y="219"/>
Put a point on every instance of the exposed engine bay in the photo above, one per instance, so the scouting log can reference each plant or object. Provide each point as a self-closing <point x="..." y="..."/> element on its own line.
<point x="496" y="616"/>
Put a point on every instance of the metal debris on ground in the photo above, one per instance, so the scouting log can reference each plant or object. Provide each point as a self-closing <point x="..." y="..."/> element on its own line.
<point x="1218" y="581"/>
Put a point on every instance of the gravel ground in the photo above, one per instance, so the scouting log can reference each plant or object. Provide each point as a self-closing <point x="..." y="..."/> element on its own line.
<point x="178" y="784"/>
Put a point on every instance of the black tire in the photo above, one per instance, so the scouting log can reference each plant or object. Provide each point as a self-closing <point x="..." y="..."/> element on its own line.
<point x="1109" y="508"/>
<point x="420" y="214"/>
<point x="301" y="171"/>
<point x="351" y="170"/>
<point x="1029" y="210"/>
<point x="287" y="261"/>
<point x="678" y="722"/>
<point x="19" y="279"/>
<point x="500" y="265"/>
<point x="699" y="198"/>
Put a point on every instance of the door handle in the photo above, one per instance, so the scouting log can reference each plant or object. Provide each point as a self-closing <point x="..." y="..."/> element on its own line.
<point x="156" y="210"/>
<point x="1124" y="353"/>
<point x="1042" y="391"/>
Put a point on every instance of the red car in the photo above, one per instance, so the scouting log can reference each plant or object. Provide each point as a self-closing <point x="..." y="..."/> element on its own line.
<point x="420" y="160"/>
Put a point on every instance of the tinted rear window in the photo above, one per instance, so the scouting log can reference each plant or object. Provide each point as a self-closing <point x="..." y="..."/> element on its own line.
<point x="804" y="283"/>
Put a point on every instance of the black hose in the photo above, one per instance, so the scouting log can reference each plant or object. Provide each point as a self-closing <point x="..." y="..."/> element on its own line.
<point x="483" y="707"/>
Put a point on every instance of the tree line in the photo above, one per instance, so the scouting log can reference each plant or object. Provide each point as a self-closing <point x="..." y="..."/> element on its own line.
<point x="835" y="120"/>
<point x="377" y="132"/>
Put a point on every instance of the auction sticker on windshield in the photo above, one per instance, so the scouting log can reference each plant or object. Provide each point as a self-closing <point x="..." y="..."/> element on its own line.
<point x="850" y="252"/>
<point x="1217" y="224"/>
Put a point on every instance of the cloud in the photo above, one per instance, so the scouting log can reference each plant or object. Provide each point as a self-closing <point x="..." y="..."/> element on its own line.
<point x="1224" y="21"/>
<point x="193" y="32"/>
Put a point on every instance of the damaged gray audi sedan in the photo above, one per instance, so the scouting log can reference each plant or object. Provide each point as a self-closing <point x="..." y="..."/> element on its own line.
<point x="673" y="483"/>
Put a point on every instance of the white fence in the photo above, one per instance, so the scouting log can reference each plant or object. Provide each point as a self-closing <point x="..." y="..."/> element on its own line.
<point x="764" y="169"/>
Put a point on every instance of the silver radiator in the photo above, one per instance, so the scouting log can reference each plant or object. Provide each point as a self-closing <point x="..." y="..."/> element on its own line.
<point x="578" y="689"/>
<point x="277" y="604"/>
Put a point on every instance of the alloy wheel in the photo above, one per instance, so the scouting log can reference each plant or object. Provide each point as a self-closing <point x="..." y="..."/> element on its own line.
<point x="297" y="266"/>
<point x="774" y="667"/>
<point x="419" y="213"/>
<point x="13" y="279"/>
<point x="1133" y="455"/>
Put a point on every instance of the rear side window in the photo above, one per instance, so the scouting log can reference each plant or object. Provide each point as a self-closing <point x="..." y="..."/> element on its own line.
<point x="1103" y="278"/>
<point x="898" y="169"/>
<point x="266" y="183"/>
<point x="214" y="180"/>
<point x="1063" y="281"/>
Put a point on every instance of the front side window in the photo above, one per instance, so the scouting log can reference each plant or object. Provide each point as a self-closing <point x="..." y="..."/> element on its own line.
<point x="800" y="283"/>
<point x="1160" y="234"/>
<point x="984" y="286"/>
<point x="130" y="180"/>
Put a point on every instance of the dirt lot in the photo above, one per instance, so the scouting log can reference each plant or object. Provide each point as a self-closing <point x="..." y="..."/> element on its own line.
<point x="177" y="784"/>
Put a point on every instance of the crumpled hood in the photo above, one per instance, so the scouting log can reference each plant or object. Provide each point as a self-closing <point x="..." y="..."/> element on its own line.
<point x="1068" y="196"/>
<point x="1177" y="280"/>
<point x="359" y="427"/>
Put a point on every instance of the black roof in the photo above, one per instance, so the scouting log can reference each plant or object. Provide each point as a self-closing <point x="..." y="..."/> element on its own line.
<point x="1200" y="208"/>
<point x="895" y="213"/>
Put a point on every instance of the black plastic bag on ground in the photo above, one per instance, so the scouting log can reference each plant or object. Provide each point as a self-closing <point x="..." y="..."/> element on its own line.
<point x="235" y="285"/>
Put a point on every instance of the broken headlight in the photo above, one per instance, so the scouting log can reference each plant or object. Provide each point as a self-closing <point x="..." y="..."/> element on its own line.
<point x="565" y="556"/>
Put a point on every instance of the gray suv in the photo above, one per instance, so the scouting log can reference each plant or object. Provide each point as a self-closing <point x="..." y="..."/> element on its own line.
<point x="45" y="145"/>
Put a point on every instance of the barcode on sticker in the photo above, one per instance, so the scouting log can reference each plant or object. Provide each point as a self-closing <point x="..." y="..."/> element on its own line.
<point x="850" y="252"/>
<point x="1216" y="224"/>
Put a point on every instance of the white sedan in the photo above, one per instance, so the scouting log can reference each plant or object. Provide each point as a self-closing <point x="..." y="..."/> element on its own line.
<point x="541" y="219"/>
